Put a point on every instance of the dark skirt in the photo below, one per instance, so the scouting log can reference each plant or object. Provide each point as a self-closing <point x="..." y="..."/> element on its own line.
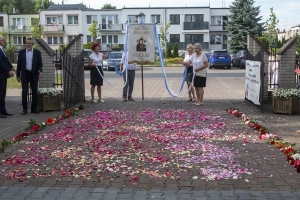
<point x="95" y="78"/>
<point x="199" y="81"/>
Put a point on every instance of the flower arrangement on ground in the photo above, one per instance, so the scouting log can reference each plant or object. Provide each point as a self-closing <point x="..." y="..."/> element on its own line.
<point x="287" y="148"/>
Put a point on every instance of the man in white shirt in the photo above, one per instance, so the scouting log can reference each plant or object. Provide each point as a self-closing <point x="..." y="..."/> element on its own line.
<point x="128" y="88"/>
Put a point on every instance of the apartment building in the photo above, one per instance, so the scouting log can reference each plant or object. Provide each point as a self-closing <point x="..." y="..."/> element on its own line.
<point x="203" y="25"/>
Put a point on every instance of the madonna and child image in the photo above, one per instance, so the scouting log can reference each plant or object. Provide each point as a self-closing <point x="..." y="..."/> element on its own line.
<point x="141" y="44"/>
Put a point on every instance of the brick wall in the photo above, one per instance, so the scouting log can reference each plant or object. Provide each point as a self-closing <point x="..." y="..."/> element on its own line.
<point x="286" y="67"/>
<point x="254" y="46"/>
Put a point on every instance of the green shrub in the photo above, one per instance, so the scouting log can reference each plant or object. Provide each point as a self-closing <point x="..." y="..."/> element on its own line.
<point x="175" y="50"/>
<point x="88" y="45"/>
<point x="173" y="60"/>
<point x="169" y="54"/>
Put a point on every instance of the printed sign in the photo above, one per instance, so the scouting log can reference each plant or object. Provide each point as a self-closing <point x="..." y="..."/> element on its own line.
<point x="252" y="81"/>
<point x="141" y="43"/>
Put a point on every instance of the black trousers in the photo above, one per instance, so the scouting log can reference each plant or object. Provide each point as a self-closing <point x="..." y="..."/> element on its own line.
<point x="33" y="85"/>
<point x="3" y="84"/>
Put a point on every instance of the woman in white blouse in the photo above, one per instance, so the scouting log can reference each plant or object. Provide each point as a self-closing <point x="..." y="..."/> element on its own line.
<point x="95" y="61"/>
<point x="189" y="74"/>
<point x="200" y="64"/>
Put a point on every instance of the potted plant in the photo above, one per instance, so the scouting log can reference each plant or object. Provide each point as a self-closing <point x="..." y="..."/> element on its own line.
<point x="286" y="101"/>
<point x="49" y="99"/>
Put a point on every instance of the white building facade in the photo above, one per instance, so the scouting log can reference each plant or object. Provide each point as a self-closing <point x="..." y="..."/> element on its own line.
<point x="202" y="25"/>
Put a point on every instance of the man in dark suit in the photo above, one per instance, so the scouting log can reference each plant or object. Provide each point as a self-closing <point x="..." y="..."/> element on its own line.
<point x="6" y="71"/>
<point x="29" y="68"/>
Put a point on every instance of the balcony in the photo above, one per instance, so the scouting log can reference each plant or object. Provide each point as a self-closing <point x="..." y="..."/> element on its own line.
<point x="19" y="29"/>
<point x="110" y="27"/>
<point x="49" y="28"/>
<point x="195" y="25"/>
<point x="217" y="28"/>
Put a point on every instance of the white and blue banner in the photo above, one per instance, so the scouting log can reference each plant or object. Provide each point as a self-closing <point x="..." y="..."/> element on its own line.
<point x="252" y="81"/>
<point x="141" y="43"/>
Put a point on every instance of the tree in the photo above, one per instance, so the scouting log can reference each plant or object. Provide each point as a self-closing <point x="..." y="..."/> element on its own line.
<point x="270" y="28"/>
<point x="37" y="30"/>
<point x="265" y="41"/>
<point x="244" y="19"/>
<point x="93" y="29"/>
<point x="24" y="6"/>
<point x="108" y="6"/>
<point x="163" y="34"/>
<point x="8" y="47"/>
<point x="42" y="4"/>
<point x="6" y="6"/>
<point x="175" y="50"/>
<point x="169" y="53"/>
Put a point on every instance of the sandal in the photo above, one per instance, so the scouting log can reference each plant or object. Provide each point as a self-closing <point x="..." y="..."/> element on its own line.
<point x="190" y="99"/>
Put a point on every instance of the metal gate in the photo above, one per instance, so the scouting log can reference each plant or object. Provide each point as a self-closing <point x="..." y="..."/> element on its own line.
<point x="69" y="75"/>
<point x="258" y="57"/>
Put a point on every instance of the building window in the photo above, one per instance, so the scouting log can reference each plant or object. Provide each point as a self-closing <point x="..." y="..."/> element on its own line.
<point x="72" y="19"/>
<point x="19" y="40"/>
<point x="194" y="18"/>
<point x="215" y="39"/>
<point x="111" y="39"/>
<point x="175" y="19"/>
<point x="54" y="20"/>
<point x="91" y="19"/>
<point x="53" y="40"/>
<point x="61" y="40"/>
<point x="88" y="38"/>
<point x="174" y="37"/>
<point x="18" y="22"/>
<point x="216" y="20"/>
<point x="155" y="19"/>
<point x="194" y="38"/>
<point x="132" y="19"/>
<point x="116" y="39"/>
<point x="1" y="21"/>
<point x="70" y="38"/>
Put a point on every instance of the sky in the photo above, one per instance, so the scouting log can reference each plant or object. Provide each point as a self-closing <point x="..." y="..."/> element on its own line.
<point x="287" y="11"/>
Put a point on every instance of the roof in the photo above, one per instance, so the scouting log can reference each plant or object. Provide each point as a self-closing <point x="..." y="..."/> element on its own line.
<point x="66" y="7"/>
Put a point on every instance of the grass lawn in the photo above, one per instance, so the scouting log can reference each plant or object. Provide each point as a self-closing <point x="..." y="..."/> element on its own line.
<point x="13" y="83"/>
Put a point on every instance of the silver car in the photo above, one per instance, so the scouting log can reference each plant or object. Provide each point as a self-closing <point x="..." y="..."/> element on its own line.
<point x="114" y="58"/>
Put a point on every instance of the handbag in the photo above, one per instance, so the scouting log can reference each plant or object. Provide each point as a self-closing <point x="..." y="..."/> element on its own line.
<point x="201" y="73"/>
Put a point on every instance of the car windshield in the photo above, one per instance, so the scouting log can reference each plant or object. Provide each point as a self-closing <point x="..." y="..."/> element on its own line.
<point x="115" y="56"/>
<point x="220" y="52"/>
<point x="87" y="53"/>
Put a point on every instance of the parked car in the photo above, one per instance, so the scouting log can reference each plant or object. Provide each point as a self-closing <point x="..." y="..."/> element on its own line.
<point x="239" y="59"/>
<point x="219" y="58"/>
<point x="57" y="59"/>
<point x="86" y="55"/>
<point x="114" y="58"/>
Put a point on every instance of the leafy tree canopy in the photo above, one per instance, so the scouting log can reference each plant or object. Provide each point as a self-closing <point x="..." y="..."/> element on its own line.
<point x="108" y="6"/>
<point x="244" y="19"/>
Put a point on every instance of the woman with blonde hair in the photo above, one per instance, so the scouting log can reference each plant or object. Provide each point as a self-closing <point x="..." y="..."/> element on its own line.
<point x="189" y="73"/>
<point x="200" y="64"/>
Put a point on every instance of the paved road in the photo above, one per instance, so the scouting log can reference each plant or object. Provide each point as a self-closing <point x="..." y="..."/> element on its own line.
<point x="272" y="177"/>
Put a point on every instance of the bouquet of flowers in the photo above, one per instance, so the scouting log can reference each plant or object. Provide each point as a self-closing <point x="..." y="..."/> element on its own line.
<point x="49" y="91"/>
<point x="286" y="93"/>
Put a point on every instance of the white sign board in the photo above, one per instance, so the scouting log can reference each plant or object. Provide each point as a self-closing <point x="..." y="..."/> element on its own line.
<point x="141" y="43"/>
<point x="252" y="81"/>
